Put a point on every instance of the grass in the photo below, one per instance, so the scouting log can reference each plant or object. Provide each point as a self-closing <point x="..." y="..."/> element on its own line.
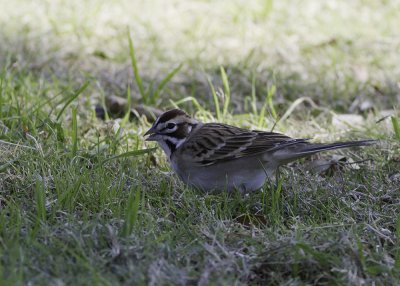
<point x="89" y="202"/>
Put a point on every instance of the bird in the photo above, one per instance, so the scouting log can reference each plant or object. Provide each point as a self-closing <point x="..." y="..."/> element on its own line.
<point x="215" y="157"/>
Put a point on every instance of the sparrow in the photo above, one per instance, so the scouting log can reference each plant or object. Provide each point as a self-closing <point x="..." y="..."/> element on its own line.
<point x="220" y="157"/>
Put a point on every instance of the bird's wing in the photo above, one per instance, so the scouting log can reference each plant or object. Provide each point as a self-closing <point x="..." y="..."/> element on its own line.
<point x="215" y="142"/>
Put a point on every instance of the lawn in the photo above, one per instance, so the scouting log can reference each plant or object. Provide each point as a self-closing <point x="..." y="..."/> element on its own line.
<point x="86" y="201"/>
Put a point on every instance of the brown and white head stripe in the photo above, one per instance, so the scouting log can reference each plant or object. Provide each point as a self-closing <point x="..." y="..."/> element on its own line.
<point x="171" y="129"/>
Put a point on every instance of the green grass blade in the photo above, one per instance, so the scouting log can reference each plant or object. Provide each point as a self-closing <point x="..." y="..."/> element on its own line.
<point x="72" y="98"/>
<point x="162" y="84"/>
<point x="261" y="117"/>
<point x="253" y="96"/>
<point x="227" y="91"/>
<point x="138" y="79"/>
<point x="276" y="202"/>
<point x="40" y="197"/>
<point x="270" y="94"/>
<point x="360" y="252"/>
<point x="215" y="97"/>
<point x="176" y="104"/>
<point x="74" y="134"/>
<point x="5" y="166"/>
<point x="129" y="154"/>
<point x="295" y="104"/>
<point x="125" y="120"/>
<point x="38" y="106"/>
<point x="267" y="102"/>
<point x="2" y="94"/>
<point x="324" y="259"/>
<point x="397" y="233"/>
<point x="131" y="212"/>
<point x="103" y="103"/>
<point x="396" y="127"/>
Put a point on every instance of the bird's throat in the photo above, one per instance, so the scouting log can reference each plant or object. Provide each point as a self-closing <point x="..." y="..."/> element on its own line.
<point x="170" y="144"/>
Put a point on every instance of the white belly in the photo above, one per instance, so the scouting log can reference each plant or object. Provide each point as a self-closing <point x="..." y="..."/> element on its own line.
<point x="224" y="176"/>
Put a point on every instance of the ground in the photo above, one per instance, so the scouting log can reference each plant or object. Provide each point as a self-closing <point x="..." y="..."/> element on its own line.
<point x="80" y="204"/>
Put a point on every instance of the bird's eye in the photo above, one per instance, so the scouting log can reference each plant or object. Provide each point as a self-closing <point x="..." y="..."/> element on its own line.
<point x="171" y="125"/>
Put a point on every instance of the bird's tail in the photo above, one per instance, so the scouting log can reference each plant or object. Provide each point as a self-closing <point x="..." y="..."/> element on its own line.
<point x="314" y="148"/>
<point x="296" y="151"/>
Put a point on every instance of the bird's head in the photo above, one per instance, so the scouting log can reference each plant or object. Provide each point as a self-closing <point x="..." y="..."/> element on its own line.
<point x="171" y="129"/>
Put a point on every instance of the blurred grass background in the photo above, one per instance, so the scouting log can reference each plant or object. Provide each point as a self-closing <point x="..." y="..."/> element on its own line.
<point x="333" y="51"/>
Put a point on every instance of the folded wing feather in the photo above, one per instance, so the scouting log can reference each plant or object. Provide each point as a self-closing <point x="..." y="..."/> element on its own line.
<point x="217" y="143"/>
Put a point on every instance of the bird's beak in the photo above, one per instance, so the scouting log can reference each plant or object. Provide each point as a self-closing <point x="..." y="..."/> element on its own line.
<point x="152" y="132"/>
